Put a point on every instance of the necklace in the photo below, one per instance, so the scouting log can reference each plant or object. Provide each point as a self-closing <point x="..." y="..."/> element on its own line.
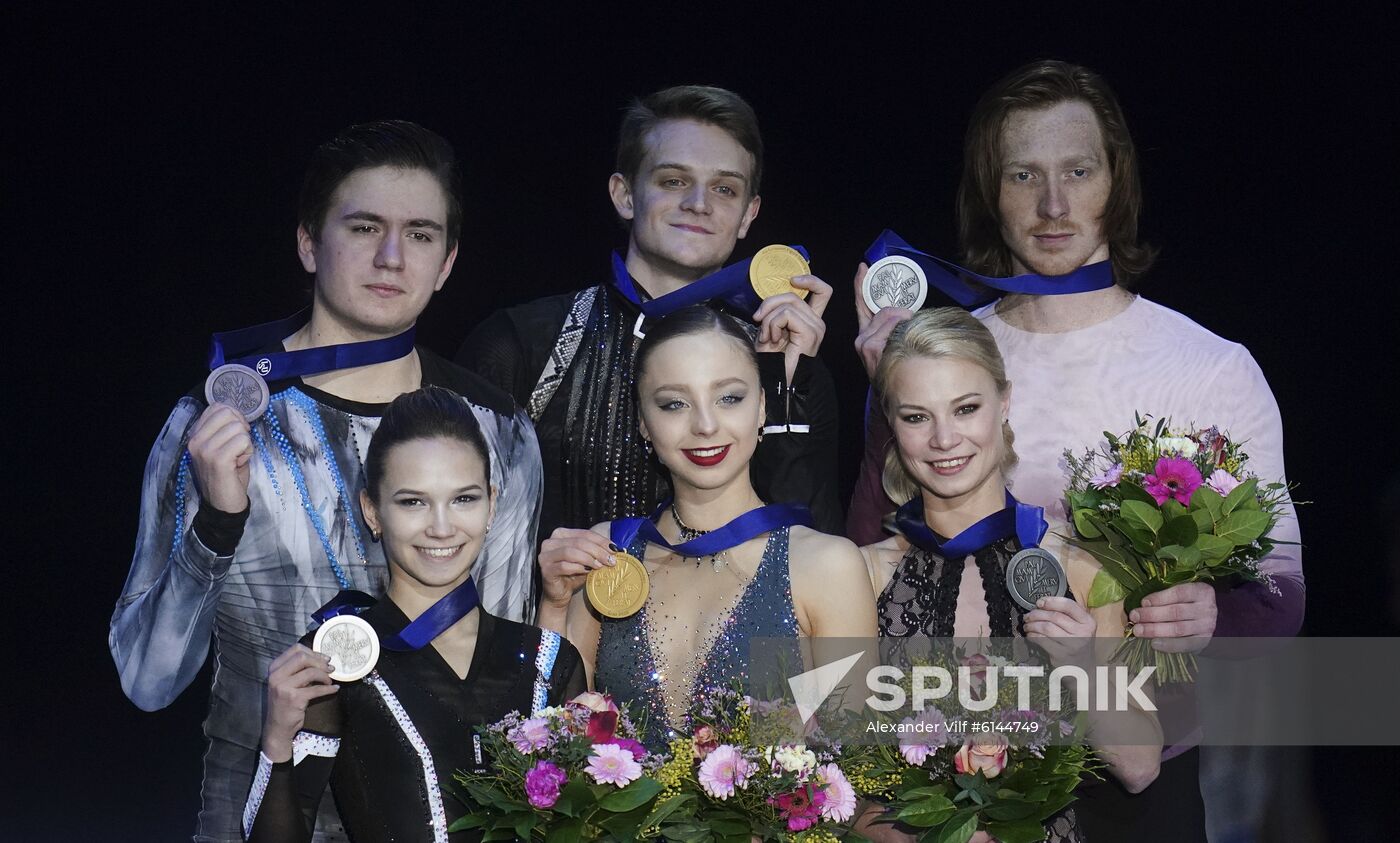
<point x="689" y="533"/>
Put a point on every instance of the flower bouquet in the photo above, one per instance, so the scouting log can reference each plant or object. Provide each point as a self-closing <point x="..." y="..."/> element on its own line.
<point x="1005" y="771"/>
<point x="737" y="789"/>
<point x="1159" y="507"/>
<point x="573" y="772"/>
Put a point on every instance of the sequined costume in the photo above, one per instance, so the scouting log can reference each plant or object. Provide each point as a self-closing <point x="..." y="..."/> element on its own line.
<point x="586" y="416"/>
<point x="252" y="588"/>
<point x="389" y="743"/>
<point x="637" y="663"/>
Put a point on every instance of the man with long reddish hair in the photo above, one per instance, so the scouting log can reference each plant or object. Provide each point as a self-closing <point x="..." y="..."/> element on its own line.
<point x="1050" y="184"/>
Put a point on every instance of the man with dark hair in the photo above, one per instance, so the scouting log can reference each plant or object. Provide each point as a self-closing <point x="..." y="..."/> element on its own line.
<point x="688" y="166"/>
<point x="1050" y="184"/>
<point x="250" y="520"/>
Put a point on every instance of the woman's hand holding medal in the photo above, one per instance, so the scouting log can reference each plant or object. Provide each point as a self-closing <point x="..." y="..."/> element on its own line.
<point x="296" y="678"/>
<point x="1063" y="629"/>
<point x="566" y="557"/>
<point x="221" y="452"/>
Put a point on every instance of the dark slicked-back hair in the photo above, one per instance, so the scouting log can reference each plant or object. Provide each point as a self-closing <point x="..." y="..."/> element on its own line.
<point x="695" y="319"/>
<point x="1039" y="85"/>
<point x="700" y="103"/>
<point x="428" y="413"/>
<point x="384" y="143"/>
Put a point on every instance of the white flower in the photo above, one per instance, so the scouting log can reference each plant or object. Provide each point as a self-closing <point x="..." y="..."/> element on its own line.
<point x="796" y="759"/>
<point x="1176" y="445"/>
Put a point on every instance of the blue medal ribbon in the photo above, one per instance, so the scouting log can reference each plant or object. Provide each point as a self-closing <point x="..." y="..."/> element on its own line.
<point x="730" y="285"/>
<point x="450" y="608"/>
<point x="950" y="278"/>
<point x="1025" y="521"/>
<point x="279" y="365"/>
<point x="755" y="522"/>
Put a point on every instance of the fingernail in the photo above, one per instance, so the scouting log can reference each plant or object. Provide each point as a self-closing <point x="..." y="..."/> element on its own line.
<point x="614" y="548"/>
<point x="1133" y="616"/>
<point x="611" y="560"/>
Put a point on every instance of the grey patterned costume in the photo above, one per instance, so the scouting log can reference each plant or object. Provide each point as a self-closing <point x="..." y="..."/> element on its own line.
<point x="257" y="602"/>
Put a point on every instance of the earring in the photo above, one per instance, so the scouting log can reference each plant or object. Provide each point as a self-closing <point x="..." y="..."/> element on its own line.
<point x="373" y="535"/>
<point x="760" y="434"/>
<point x="646" y="445"/>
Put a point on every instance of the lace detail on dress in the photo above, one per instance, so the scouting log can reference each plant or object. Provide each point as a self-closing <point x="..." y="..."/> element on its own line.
<point x="921" y="599"/>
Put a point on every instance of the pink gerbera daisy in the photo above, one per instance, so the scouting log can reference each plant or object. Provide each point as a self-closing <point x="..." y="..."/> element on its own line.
<point x="1172" y="478"/>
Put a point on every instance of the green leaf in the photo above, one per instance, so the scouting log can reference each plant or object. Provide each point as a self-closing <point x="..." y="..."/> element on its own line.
<point x="1008" y="809"/>
<point x="1180" y="530"/>
<point x="667" y="808"/>
<point x="573" y="797"/>
<point x="1213" y="548"/>
<point x="927" y="813"/>
<point x="524" y="825"/>
<point x="501" y="834"/>
<point x="631" y="796"/>
<point x="1242" y="527"/>
<point x="960" y="828"/>
<point x="728" y="826"/>
<point x="1088" y="499"/>
<point x="1186" y="558"/>
<point x="686" y="832"/>
<point x="1114" y="561"/>
<point x="1027" y="830"/>
<point x="1135" y="492"/>
<point x="1238" y="495"/>
<point x="1084" y="524"/>
<point x="468" y="821"/>
<point x="1172" y="509"/>
<point x="1142" y="541"/>
<point x="1105" y="590"/>
<point x="1208" y="500"/>
<point x="1205" y="522"/>
<point x="569" y="831"/>
<point x="1143" y="516"/>
<point x="936" y="790"/>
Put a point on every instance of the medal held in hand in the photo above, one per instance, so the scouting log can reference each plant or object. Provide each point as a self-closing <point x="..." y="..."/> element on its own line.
<point x="618" y="591"/>
<point x="771" y="271"/>
<point x="239" y="387"/>
<point x="1034" y="573"/>
<point x="894" y="281"/>
<point x="352" y="645"/>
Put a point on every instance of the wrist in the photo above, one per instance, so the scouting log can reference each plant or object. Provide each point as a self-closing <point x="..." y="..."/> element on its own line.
<point x="276" y="749"/>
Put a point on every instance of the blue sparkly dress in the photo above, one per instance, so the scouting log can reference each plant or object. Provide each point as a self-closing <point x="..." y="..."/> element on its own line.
<point x="633" y="664"/>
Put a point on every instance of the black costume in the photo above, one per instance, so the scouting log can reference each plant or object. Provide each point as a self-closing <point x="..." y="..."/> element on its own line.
<point x="921" y="599"/>
<point x="568" y="360"/>
<point x="389" y="742"/>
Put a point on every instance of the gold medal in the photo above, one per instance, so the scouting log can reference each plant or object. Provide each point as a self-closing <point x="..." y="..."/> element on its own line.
<point x="771" y="271"/>
<point x="620" y="590"/>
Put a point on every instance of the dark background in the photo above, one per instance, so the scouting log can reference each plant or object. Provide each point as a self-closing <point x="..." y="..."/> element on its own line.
<point x="157" y="158"/>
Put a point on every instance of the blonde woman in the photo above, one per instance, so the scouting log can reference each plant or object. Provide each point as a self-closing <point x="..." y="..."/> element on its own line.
<point x="945" y="393"/>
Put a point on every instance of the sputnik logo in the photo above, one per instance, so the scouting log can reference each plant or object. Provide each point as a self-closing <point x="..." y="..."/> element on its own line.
<point x="810" y="689"/>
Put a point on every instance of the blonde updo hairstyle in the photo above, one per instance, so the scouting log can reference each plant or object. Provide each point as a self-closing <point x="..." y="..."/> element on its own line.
<point x="935" y="334"/>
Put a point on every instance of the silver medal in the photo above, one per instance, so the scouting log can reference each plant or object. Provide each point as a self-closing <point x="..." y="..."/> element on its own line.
<point x="239" y="387"/>
<point x="1034" y="573"/>
<point x="352" y="645"/>
<point x="894" y="281"/>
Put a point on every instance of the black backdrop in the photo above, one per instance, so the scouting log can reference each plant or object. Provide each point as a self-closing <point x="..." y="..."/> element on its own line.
<point x="157" y="159"/>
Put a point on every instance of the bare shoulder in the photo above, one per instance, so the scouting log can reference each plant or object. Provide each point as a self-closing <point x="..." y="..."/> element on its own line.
<point x="888" y="552"/>
<point x="820" y="552"/>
